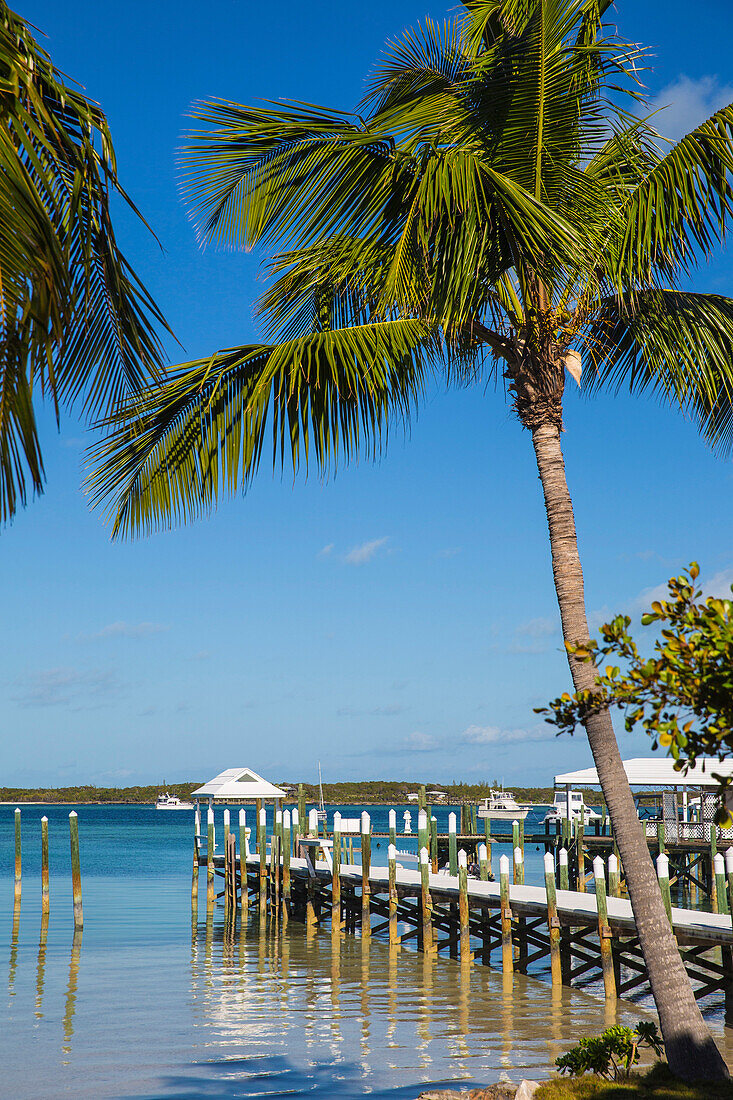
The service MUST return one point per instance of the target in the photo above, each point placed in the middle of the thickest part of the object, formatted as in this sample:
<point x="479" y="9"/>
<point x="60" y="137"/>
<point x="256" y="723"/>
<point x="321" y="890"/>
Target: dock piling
<point x="507" y="948"/>
<point x="614" y="880"/>
<point x="227" y="828"/>
<point x="518" y="866"/>
<point x="713" y="853"/>
<point x="75" y="870"/>
<point x="286" y="866"/>
<point x="427" y="903"/>
<point x="580" y="853"/>
<point x="393" y="828"/>
<point x="452" y="845"/>
<point x="729" y="873"/>
<point x="423" y="839"/>
<point x="434" y="844"/>
<point x="553" y="921"/>
<point x="563" y="864"/>
<point x="366" y="861"/>
<point x="719" y="869"/>
<point x="210" y="842"/>
<point x="487" y="834"/>
<point x="313" y="822"/>
<point x="243" y="887"/>
<point x="394" y="937"/>
<point x="483" y="862"/>
<point x="604" y="930"/>
<point x="195" y="868"/>
<point x="45" y="898"/>
<point x="336" y="876"/>
<point x="463" y="911"/>
<point x="663" y="876"/>
<point x="17" y="858"/>
<point x="262" y="852"/>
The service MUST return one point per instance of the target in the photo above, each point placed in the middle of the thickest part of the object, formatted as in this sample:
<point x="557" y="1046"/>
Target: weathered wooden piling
<point x="452" y="845"/>
<point x="243" y="888"/>
<point x="483" y="863"/>
<point x="507" y="948"/>
<point x="434" y="844"/>
<point x="562" y="858"/>
<point x="661" y="838"/>
<point x="515" y="835"/>
<point x="262" y="852"/>
<point x="75" y="869"/>
<point x="663" y="876"/>
<point x="580" y="851"/>
<point x="210" y="843"/>
<point x="313" y="822"/>
<point x="423" y="836"/>
<point x="518" y="866"/>
<point x="296" y="829"/>
<point x="487" y="834"/>
<point x="336" y="876"/>
<point x="463" y="911"/>
<point x="553" y="921"/>
<point x="427" y="902"/>
<point x="713" y="853"/>
<point x="301" y="805"/>
<point x="18" y="867"/>
<point x="604" y="930"/>
<point x="729" y="873"/>
<point x="286" y="867"/>
<point x="719" y="871"/>
<point x="45" y="896"/>
<point x="366" y="862"/>
<point x="227" y="828"/>
<point x="614" y="879"/>
<point x="393" y="827"/>
<point x="231" y="876"/>
<point x="195" y="868"/>
<point x="394" y="937"/>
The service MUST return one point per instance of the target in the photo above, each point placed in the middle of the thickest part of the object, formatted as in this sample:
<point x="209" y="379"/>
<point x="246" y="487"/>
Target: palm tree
<point x="495" y="201"/>
<point x="75" y="322"/>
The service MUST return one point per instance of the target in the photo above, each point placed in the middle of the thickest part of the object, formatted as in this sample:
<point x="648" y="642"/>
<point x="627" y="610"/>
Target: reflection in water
<point x="41" y="968"/>
<point x="70" y="1004"/>
<point x="14" y="947"/>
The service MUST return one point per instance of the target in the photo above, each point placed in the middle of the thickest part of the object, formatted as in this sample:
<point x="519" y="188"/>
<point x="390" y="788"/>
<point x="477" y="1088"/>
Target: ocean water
<point x="150" y="1003"/>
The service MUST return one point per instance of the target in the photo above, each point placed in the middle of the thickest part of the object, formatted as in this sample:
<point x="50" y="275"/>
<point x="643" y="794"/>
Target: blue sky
<point x="398" y="620"/>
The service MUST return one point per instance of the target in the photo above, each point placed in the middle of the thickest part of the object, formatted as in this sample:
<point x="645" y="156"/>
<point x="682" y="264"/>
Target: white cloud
<point x="687" y="103"/>
<point x="62" y="687"/>
<point x="126" y="630"/>
<point x="538" y="628"/>
<point x="419" y="742"/>
<point x="718" y="585"/>
<point x="325" y="550"/>
<point x="365" y="551"/>
<point x="494" y="735"/>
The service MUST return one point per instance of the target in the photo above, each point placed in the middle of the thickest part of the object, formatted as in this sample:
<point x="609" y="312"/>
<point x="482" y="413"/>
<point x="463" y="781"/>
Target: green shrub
<point x="612" y="1054"/>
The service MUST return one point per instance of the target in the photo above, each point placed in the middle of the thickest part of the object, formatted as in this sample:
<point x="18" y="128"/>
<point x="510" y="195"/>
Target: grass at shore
<point x="657" y="1084"/>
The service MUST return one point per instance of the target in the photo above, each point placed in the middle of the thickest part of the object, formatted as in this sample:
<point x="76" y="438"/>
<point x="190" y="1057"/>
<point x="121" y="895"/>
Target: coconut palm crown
<point x="499" y="199"/>
<point x="76" y="325"/>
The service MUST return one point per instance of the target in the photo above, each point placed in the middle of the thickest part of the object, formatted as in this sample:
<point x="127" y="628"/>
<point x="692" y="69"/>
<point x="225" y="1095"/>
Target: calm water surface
<point x="150" y="1004"/>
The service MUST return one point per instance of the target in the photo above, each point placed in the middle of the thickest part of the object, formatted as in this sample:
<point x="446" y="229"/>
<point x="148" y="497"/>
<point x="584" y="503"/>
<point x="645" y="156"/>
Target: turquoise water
<point x="150" y="1004"/>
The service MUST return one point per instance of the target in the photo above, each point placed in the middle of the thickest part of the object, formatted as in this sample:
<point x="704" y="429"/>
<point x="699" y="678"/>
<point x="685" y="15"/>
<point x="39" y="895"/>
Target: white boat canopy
<point x="643" y="772"/>
<point x="237" y="785"/>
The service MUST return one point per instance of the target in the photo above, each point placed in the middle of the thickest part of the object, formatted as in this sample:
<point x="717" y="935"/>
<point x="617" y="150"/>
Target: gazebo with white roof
<point x="239" y="785"/>
<point x="649" y="774"/>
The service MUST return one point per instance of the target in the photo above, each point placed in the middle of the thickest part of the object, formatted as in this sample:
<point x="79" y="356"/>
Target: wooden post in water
<point x="243" y="885"/>
<point x="604" y="930"/>
<point x="427" y="903"/>
<point x="277" y="831"/>
<point x="75" y="870"/>
<point x="515" y="835"/>
<point x="210" y="842"/>
<point x="452" y="844"/>
<point x="313" y="822"/>
<point x="729" y="873"/>
<point x="661" y="838"/>
<point x="713" y="853"/>
<point x="423" y="837"/>
<point x="719" y="868"/>
<point x="301" y="805"/>
<point x="487" y="834"/>
<point x="726" y="953"/>
<point x="507" y="948"/>
<point x="483" y="863"/>
<point x="394" y="937"/>
<point x="580" y="848"/>
<point x="663" y="876"/>
<point x="45" y="897"/>
<point x="232" y="861"/>
<point x="614" y="881"/>
<point x="227" y="828"/>
<point x="463" y="912"/>
<point x="262" y="851"/>
<point x="16" y="900"/>
<point x="553" y="921"/>
<point x="518" y="866"/>
<point x="195" y="868"/>
<point x="434" y="844"/>
<point x="563" y="864"/>
<point x="286" y="866"/>
<point x="366" y="862"/>
<point x="393" y="828"/>
<point x="296" y="829"/>
<point x="336" y="876"/>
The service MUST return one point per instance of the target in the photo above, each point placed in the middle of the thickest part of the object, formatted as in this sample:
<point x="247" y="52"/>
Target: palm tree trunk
<point x="691" y="1052"/>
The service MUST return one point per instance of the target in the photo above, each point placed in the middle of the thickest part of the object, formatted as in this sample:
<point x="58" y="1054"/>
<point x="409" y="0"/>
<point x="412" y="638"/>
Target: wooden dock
<point x="581" y="936"/>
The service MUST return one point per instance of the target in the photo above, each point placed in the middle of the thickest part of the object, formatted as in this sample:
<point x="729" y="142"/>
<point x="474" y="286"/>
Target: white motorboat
<point x="578" y="809"/>
<point x="168" y="801"/>
<point x="502" y="806"/>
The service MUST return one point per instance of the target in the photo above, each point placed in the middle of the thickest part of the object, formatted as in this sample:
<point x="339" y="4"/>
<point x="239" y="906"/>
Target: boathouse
<point x="239" y="785"/>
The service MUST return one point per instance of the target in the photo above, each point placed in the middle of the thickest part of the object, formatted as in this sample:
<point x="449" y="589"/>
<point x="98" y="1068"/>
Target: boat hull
<point x="504" y="815"/>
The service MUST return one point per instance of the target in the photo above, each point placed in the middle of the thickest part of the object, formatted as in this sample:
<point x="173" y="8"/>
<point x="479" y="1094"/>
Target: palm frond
<point x="200" y="436"/>
<point x="677" y="344"/>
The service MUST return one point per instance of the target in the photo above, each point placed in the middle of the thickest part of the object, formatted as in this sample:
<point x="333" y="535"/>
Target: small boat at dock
<point x="577" y="809"/>
<point x="502" y="806"/>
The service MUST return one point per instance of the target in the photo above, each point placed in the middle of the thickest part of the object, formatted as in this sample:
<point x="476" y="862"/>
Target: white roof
<point x="238" y="784"/>
<point x="643" y="772"/>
